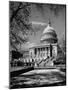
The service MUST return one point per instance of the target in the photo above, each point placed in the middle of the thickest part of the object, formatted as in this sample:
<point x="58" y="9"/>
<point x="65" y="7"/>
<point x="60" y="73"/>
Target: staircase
<point x="46" y="62"/>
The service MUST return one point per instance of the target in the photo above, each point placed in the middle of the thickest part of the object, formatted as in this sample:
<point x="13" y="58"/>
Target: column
<point x="47" y="51"/>
<point x="43" y="52"/>
<point x="37" y="53"/>
<point x="50" y="50"/>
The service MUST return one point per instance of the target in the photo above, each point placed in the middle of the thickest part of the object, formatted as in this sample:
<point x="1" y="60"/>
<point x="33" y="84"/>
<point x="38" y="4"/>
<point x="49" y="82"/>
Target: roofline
<point x="43" y="45"/>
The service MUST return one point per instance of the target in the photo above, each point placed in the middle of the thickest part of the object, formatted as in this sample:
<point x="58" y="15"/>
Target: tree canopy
<point x="19" y="13"/>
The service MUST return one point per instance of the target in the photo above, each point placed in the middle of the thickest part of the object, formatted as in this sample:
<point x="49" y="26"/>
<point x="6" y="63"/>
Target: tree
<point x="19" y="13"/>
<point x="62" y="50"/>
<point x="62" y="43"/>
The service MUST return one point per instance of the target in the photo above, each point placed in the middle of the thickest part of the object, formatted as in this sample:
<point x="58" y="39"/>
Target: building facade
<point x="46" y="51"/>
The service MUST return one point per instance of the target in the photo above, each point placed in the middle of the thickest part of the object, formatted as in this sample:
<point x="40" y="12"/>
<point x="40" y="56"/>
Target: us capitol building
<point x="45" y="53"/>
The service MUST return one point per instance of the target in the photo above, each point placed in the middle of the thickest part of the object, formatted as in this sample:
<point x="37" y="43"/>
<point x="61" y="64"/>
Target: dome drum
<point x="50" y="40"/>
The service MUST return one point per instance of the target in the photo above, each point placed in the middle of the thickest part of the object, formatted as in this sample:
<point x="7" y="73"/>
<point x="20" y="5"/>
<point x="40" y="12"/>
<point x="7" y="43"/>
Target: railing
<point x="46" y="61"/>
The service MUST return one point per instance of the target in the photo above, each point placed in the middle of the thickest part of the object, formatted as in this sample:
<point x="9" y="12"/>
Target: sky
<point x="39" y="17"/>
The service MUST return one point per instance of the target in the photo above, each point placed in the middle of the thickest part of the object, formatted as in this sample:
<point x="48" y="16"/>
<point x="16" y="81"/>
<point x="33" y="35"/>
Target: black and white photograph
<point x="37" y="44"/>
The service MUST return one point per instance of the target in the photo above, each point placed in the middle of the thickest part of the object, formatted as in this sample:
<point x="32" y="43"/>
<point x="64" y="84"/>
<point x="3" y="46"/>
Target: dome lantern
<point x="49" y="22"/>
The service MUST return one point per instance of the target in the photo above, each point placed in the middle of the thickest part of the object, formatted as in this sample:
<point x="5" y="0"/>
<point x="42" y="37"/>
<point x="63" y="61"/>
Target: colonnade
<point x="43" y="52"/>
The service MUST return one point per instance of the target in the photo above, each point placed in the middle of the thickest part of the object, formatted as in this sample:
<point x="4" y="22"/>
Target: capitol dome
<point x="49" y="35"/>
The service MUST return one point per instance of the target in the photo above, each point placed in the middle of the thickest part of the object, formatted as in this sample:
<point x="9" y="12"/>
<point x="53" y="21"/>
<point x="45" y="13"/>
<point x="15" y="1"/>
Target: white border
<point x="4" y="43"/>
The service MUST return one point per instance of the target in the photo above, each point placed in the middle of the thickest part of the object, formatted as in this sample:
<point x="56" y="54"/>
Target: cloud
<point x="27" y="45"/>
<point x="38" y="23"/>
<point x="31" y="44"/>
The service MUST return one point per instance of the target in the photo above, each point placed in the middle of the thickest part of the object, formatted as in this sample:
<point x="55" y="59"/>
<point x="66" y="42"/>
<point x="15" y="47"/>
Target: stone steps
<point x="46" y="62"/>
